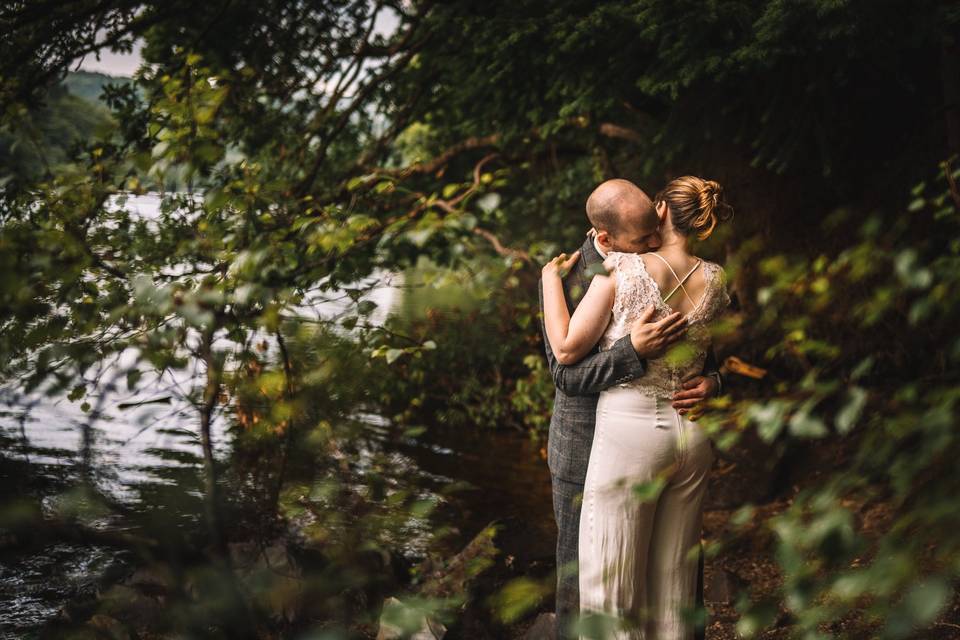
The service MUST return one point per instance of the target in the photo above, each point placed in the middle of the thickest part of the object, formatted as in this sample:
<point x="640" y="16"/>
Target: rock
<point x="243" y="554"/>
<point x="108" y="627"/>
<point x="272" y="575"/>
<point x="397" y="620"/>
<point x="722" y="585"/>
<point x="129" y="604"/>
<point x="153" y="581"/>
<point x="543" y="628"/>
<point x="449" y="580"/>
<point x="445" y="579"/>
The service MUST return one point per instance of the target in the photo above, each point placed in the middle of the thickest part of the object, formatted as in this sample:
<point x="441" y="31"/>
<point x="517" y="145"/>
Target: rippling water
<point x="501" y="476"/>
<point x="131" y="442"/>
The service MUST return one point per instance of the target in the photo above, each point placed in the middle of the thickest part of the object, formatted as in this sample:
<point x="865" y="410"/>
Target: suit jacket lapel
<point x="589" y="255"/>
<point x="579" y="278"/>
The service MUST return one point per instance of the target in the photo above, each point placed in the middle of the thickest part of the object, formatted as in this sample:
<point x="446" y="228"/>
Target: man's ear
<point x="603" y="239"/>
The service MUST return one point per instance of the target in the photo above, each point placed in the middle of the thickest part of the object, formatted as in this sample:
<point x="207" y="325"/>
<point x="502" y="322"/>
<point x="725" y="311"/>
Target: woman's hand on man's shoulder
<point x="560" y="265"/>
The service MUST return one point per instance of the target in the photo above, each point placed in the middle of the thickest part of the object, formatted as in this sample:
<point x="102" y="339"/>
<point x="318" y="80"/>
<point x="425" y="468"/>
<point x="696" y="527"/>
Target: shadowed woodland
<point x="348" y="468"/>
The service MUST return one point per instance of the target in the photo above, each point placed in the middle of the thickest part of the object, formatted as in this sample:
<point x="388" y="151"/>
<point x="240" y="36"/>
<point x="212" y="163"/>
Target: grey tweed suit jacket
<point x="578" y="386"/>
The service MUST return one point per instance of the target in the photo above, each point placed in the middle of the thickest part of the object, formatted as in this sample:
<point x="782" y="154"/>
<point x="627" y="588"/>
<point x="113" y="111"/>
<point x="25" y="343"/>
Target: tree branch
<point x="499" y="248"/>
<point x="611" y="130"/>
<point x="429" y="167"/>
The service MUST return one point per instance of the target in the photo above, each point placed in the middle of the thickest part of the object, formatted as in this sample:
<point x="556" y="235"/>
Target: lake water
<point x="129" y="440"/>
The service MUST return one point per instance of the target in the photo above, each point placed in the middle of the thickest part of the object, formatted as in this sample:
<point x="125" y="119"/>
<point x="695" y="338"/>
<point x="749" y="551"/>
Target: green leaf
<point x="354" y="183"/>
<point x="596" y="269"/>
<point x="922" y="604"/>
<point x="419" y="237"/>
<point x="423" y="508"/>
<point x="804" y="425"/>
<point x="133" y="376"/>
<point x="518" y="597"/>
<point x="366" y="307"/>
<point x="850" y="412"/>
<point x="743" y="515"/>
<point x="863" y="368"/>
<point x="769" y="418"/>
<point x="926" y="600"/>
<point x="649" y="490"/>
<point x="393" y="354"/>
<point x="489" y="202"/>
<point x="450" y="189"/>
<point x="597" y="626"/>
<point x="414" y="432"/>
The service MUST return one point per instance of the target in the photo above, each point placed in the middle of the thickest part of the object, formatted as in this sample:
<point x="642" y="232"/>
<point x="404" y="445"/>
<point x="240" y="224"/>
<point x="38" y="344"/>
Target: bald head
<point x="624" y="216"/>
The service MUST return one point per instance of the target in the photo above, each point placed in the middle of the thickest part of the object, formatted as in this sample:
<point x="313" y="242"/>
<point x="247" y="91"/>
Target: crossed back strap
<point x="680" y="280"/>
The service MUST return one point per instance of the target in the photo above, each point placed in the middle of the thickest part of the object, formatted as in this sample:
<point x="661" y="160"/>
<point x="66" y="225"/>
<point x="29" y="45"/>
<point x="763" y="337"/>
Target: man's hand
<point x="696" y="389"/>
<point x="651" y="339"/>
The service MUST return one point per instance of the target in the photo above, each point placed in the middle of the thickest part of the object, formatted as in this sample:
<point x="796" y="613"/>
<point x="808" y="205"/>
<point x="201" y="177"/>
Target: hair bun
<point x="695" y="205"/>
<point x="711" y="210"/>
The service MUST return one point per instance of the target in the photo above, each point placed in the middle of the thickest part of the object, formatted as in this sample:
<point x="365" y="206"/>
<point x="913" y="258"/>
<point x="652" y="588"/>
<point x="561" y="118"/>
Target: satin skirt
<point x="641" y="518"/>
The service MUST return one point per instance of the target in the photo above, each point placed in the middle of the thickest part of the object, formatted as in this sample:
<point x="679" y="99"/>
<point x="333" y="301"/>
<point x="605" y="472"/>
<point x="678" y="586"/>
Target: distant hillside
<point x="89" y="85"/>
<point x="43" y="138"/>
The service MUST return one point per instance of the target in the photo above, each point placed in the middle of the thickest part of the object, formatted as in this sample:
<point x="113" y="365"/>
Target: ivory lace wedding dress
<point x="634" y="555"/>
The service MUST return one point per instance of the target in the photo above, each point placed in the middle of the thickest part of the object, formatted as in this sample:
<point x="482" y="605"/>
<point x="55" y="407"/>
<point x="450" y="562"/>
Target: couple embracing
<point x="622" y="408"/>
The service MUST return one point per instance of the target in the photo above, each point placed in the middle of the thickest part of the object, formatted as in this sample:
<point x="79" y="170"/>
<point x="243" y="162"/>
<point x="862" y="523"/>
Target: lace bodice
<point x="637" y="290"/>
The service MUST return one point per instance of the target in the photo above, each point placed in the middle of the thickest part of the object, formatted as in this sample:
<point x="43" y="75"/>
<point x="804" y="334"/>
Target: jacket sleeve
<point x="712" y="368"/>
<point x="597" y="370"/>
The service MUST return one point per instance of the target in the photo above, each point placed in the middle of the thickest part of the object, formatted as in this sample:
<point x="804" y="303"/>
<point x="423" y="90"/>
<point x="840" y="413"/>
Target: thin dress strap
<point x="680" y="280"/>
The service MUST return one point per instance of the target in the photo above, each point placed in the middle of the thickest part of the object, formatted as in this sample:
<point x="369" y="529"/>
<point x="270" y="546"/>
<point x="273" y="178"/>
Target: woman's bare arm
<point x="572" y="338"/>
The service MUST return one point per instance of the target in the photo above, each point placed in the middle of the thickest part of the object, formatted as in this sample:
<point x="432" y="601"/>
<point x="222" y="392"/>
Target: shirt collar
<point x="596" y="245"/>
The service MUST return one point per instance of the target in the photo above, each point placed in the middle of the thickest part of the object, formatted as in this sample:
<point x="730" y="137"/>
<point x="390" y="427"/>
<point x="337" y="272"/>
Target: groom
<point x="625" y="220"/>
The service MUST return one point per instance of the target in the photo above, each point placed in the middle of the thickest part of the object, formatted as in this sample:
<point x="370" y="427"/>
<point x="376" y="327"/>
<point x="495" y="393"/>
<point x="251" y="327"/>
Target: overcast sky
<point x="124" y="64"/>
<point x="114" y="64"/>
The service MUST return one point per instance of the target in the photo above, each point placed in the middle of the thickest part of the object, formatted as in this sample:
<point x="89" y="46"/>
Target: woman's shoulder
<point x="720" y="294"/>
<point x="618" y="260"/>
<point x="714" y="268"/>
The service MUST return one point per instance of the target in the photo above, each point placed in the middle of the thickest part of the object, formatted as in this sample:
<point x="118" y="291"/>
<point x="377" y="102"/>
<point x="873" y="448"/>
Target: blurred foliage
<point x="275" y="211"/>
<point x="296" y="150"/>
<point x="865" y="342"/>
<point x="450" y="375"/>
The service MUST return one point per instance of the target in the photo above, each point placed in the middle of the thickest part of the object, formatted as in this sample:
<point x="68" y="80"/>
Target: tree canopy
<point x="299" y="147"/>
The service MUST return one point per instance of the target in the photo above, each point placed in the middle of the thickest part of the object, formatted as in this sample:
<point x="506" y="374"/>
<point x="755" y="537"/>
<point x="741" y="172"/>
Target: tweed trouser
<point x="566" y="509"/>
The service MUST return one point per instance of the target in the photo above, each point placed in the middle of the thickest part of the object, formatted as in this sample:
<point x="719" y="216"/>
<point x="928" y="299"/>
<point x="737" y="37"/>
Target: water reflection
<point x="139" y="450"/>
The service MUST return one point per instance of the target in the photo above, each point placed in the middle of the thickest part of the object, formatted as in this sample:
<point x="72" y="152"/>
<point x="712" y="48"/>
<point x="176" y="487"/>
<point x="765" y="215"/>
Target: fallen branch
<point x="72" y="531"/>
<point x="624" y="133"/>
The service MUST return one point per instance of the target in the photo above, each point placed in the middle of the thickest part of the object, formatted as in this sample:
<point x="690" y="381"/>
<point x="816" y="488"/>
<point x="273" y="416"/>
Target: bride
<point x="634" y="560"/>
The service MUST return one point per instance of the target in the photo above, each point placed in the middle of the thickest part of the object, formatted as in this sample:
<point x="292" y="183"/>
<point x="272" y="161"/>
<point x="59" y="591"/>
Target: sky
<point x="114" y="64"/>
<point x="124" y="64"/>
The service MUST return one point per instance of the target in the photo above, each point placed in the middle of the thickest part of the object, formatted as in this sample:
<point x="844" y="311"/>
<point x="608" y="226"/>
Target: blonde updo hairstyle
<point x="696" y="205"/>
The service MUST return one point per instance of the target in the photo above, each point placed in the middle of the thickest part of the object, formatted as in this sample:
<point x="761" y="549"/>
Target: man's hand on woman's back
<point x="651" y="339"/>
<point x="696" y="389"/>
